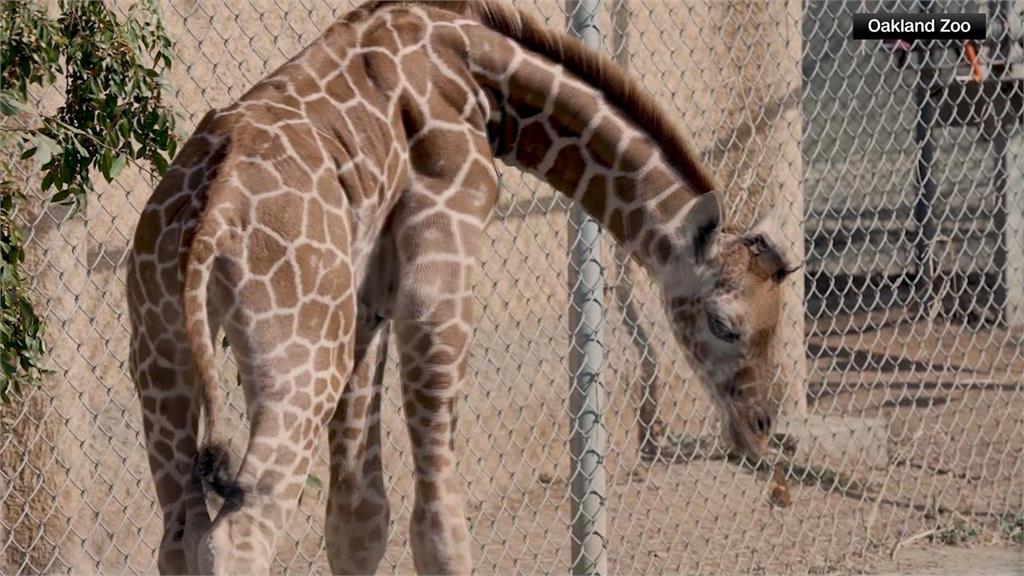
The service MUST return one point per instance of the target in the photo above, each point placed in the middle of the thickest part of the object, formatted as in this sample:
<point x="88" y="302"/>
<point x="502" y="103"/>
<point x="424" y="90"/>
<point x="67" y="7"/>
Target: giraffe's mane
<point x="619" y="88"/>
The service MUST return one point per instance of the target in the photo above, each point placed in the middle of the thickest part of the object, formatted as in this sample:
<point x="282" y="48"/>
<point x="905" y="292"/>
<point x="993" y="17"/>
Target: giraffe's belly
<point x="376" y="272"/>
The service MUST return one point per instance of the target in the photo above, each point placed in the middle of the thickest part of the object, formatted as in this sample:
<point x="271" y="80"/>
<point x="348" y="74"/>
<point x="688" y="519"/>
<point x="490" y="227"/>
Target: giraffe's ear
<point x="770" y="259"/>
<point x="701" y="224"/>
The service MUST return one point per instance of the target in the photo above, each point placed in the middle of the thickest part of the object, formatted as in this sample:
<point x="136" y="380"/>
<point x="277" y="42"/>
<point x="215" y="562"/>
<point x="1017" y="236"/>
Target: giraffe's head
<point x="723" y="296"/>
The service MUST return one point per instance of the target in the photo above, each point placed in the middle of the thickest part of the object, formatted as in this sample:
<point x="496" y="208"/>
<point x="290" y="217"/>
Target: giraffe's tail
<point x="211" y="466"/>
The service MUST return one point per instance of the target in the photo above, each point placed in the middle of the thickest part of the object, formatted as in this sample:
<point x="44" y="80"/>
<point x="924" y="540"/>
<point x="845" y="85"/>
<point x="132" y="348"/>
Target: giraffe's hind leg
<point x="166" y="383"/>
<point x="358" y="513"/>
<point x="293" y="357"/>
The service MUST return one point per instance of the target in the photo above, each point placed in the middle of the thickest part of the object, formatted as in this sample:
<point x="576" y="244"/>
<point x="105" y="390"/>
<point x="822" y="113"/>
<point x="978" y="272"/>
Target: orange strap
<point x="972" y="59"/>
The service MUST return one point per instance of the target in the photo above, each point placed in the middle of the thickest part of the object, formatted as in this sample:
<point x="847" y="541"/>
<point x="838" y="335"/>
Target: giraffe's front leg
<point x="438" y="227"/>
<point x="358" y="515"/>
<point x="433" y="324"/>
<point x="433" y="355"/>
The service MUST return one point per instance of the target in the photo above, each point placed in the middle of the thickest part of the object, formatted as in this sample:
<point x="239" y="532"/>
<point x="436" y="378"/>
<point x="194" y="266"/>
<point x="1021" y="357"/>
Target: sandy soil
<point x="988" y="560"/>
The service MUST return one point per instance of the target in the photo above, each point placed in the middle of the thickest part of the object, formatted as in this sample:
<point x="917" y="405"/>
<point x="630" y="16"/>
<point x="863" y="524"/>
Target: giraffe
<point x="344" y="196"/>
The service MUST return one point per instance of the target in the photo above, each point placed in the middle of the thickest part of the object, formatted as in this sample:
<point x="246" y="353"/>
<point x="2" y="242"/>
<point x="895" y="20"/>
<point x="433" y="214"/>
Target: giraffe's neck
<point x="547" y="121"/>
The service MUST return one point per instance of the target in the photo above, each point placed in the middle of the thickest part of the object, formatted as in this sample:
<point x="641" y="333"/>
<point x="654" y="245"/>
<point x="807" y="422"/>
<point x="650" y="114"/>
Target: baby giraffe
<point x="348" y="190"/>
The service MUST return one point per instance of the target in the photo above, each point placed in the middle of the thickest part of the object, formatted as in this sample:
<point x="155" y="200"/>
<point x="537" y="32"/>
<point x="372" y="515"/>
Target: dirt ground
<point x="987" y="560"/>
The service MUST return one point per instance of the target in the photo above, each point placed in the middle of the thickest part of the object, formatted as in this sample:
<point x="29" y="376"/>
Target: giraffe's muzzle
<point x="750" y="428"/>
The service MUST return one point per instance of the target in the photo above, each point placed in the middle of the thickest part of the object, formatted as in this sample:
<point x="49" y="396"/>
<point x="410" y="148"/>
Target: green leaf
<point x="46" y="147"/>
<point x="160" y="163"/>
<point x="117" y="166"/>
<point x="104" y="162"/>
<point x="61" y="196"/>
<point x="10" y="104"/>
<point x="49" y="179"/>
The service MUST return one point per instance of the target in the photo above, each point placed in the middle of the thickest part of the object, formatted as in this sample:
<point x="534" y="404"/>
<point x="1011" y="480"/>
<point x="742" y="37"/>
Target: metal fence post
<point x="649" y="425"/>
<point x="586" y="398"/>
<point x="1009" y="181"/>
<point x="924" y="217"/>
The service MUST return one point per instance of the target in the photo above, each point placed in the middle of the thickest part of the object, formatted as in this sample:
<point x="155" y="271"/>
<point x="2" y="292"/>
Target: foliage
<point x="21" y="342"/>
<point x="957" y="533"/>
<point x="314" y="481"/>
<point x="112" y="115"/>
<point x="1012" y="527"/>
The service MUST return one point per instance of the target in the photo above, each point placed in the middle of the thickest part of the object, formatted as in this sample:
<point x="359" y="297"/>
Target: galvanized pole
<point x="924" y="216"/>
<point x="1009" y="179"/>
<point x="586" y="398"/>
<point x="650" y="427"/>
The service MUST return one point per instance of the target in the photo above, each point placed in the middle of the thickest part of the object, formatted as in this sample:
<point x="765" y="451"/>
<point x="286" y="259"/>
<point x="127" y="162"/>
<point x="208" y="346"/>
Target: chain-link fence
<point x="900" y="177"/>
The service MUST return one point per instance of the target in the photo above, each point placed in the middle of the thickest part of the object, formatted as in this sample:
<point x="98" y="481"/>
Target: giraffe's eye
<point x="721" y="330"/>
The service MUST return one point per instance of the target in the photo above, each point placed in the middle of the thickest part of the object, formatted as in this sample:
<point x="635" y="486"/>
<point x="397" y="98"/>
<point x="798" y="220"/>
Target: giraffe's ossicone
<point x="345" y="193"/>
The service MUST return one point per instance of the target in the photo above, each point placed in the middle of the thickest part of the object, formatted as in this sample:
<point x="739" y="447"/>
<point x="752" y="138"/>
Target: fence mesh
<point x="907" y="334"/>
